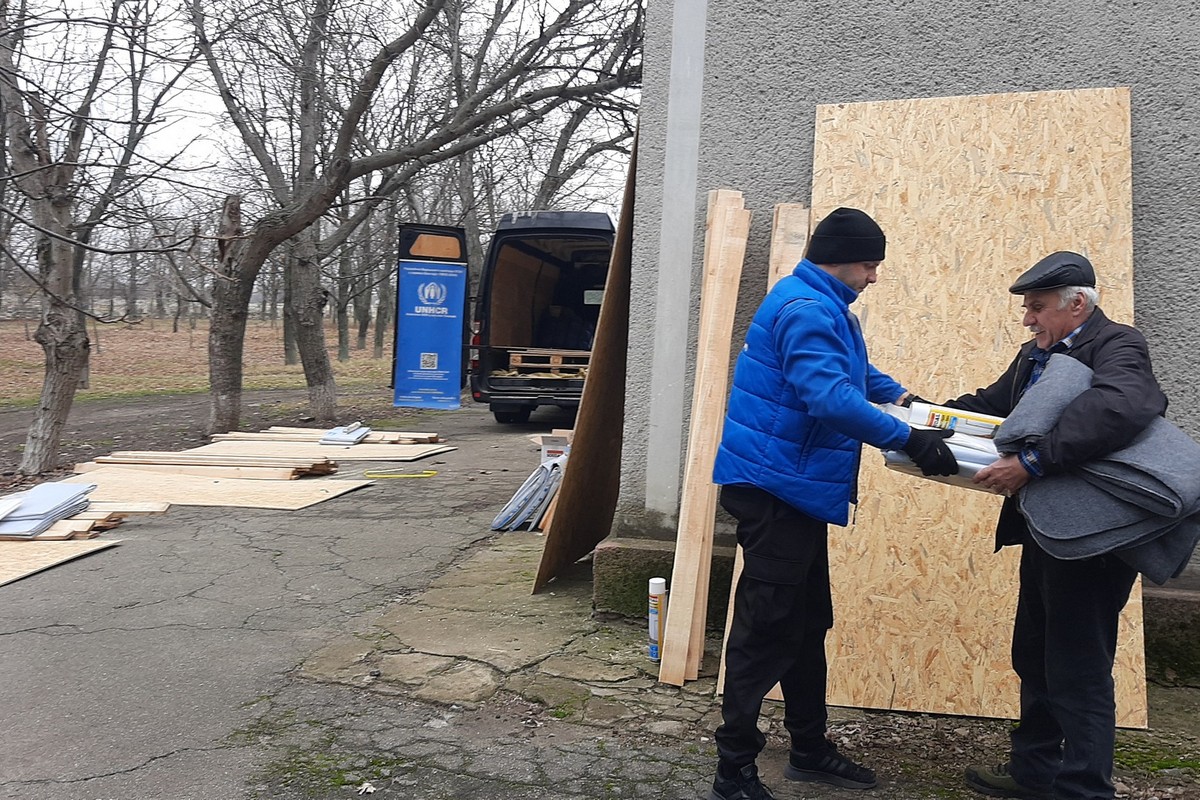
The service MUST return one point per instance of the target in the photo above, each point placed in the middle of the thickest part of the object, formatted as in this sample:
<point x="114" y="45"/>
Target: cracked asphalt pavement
<point x="385" y="643"/>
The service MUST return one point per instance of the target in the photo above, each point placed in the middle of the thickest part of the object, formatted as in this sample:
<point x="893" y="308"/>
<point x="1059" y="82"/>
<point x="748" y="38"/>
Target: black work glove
<point x="913" y="398"/>
<point x="928" y="451"/>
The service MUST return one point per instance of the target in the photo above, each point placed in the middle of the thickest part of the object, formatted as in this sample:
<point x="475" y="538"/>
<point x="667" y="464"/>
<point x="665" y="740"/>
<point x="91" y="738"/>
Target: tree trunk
<point x="131" y="288"/>
<point x="343" y="331"/>
<point x="291" y="351"/>
<point x="63" y="337"/>
<point x="362" y="318"/>
<point x="226" y="341"/>
<point x="227" y="328"/>
<point x="307" y="311"/>
<point x="345" y="290"/>
<point x="383" y="314"/>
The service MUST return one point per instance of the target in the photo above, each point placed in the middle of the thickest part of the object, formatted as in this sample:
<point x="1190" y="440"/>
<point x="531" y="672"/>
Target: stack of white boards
<point x="345" y="434"/>
<point x="26" y="514"/>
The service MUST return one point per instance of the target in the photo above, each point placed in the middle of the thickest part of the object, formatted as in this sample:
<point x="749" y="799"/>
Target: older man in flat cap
<point x="1065" y="635"/>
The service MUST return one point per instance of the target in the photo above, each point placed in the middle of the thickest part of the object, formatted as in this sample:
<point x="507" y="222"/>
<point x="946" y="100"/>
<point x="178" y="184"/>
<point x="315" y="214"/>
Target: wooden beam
<point x="725" y="248"/>
<point x="250" y="473"/>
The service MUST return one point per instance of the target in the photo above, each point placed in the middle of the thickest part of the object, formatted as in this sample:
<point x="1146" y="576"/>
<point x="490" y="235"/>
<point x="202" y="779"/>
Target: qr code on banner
<point x="429" y="360"/>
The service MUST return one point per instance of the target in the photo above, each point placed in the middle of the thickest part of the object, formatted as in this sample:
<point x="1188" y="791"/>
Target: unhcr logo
<point x="433" y="295"/>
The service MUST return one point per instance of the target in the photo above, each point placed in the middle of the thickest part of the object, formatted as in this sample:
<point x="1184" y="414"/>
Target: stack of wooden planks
<point x="278" y="433"/>
<point x="724" y="250"/>
<point x="98" y="518"/>
<point x="214" y="465"/>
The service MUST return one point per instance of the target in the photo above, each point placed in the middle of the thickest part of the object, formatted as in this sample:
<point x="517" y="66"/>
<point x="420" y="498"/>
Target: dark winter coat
<point x="1123" y="400"/>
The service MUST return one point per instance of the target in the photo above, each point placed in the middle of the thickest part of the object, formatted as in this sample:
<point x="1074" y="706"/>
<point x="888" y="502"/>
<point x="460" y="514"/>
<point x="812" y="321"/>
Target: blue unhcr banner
<point x="429" y="334"/>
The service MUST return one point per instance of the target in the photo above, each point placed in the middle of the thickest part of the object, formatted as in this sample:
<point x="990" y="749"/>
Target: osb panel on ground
<point x="20" y="559"/>
<point x="115" y="483"/>
<point x="971" y="191"/>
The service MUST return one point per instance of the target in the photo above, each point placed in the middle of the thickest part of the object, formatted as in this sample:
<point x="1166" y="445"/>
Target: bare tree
<point x="526" y="59"/>
<point x="80" y="97"/>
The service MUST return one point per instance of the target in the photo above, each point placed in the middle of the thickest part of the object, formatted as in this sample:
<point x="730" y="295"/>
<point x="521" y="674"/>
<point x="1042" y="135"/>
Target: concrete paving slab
<point x="387" y="638"/>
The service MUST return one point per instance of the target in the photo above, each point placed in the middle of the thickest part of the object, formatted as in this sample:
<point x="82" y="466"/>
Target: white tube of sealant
<point x="658" y="615"/>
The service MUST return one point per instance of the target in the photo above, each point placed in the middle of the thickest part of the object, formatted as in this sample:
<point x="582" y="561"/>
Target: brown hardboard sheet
<point x="587" y="498"/>
<point x="117" y="483"/>
<point x="20" y="559"/>
<point x="971" y="191"/>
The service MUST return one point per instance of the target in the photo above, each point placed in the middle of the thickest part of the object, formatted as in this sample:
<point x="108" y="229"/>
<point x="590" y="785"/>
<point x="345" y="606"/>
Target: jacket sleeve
<point x="995" y="399"/>
<point x="1123" y="400"/>
<point x="881" y="387"/>
<point x="817" y="364"/>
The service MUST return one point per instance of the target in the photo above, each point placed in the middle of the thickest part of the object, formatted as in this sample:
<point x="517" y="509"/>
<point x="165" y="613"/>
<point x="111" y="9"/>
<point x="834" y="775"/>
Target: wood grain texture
<point x="970" y="191"/>
<point x="725" y="248"/>
<point x="21" y="559"/>
<point x="119" y="484"/>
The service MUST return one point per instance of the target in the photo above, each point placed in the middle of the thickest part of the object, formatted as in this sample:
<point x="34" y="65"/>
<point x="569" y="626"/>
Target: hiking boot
<point x="744" y="785"/>
<point x="827" y="765"/>
<point x="999" y="782"/>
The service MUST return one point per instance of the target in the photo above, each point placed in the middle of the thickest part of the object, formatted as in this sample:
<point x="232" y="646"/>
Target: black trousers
<point x="781" y="611"/>
<point x="1064" y="643"/>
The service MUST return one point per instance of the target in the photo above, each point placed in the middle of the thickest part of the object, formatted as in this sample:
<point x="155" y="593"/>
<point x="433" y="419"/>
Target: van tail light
<point x="474" y="354"/>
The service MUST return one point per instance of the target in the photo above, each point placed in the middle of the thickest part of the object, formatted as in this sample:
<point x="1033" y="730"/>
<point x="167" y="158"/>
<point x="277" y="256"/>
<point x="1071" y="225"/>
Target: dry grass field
<point x="147" y="359"/>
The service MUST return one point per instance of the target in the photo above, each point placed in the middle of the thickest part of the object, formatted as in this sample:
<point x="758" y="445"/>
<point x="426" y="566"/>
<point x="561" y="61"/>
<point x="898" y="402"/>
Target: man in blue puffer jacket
<point x="800" y="409"/>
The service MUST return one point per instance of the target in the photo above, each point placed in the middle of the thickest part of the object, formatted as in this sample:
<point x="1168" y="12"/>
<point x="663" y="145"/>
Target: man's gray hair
<point x="1090" y="296"/>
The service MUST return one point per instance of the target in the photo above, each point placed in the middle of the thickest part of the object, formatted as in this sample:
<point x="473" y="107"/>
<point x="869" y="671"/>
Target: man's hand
<point x="928" y="451"/>
<point x="1005" y="476"/>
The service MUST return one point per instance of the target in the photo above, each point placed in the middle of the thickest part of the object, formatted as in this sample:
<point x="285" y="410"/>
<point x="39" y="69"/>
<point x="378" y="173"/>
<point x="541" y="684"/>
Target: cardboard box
<point x="554" y="446"/>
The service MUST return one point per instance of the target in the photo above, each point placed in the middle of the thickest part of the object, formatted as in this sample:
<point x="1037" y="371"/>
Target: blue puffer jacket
<point x="801" y="400"/>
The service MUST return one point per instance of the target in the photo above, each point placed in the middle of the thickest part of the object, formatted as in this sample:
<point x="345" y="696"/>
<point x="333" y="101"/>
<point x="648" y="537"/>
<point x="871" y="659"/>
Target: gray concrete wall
<point x="765" y="68"/>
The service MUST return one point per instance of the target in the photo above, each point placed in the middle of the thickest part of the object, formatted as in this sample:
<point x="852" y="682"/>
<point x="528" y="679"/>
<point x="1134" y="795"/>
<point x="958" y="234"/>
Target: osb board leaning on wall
<point x="971" y="191"/>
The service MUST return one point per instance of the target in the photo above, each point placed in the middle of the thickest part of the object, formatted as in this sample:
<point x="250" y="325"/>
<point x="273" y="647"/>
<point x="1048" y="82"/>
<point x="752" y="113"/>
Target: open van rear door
<point x="432" y="327"/>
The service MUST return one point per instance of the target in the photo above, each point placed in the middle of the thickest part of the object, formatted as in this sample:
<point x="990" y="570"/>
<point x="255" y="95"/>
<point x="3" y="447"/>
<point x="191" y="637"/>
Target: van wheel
<point x="509" y="417"/>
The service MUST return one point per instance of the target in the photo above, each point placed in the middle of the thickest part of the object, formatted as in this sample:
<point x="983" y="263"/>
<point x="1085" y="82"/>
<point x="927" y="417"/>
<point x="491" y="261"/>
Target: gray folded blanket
<point x="1141" y="503"/>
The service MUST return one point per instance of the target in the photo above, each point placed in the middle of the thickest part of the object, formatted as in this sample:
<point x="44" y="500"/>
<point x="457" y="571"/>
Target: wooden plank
<point x="548" y="518"/>
<point x="971" y="191"/>
<point x="546" y="351"/>
<point x="592" y="478"/>
<point x="216" y="460"/>
<point x="789" y="239"/>
<point x="116" y="484"/>
<point x="21" y="559"/>
<point x="358" y="452"/>
<point x="128" y="507"/>
<point x="249" y="473"/>
<point x="97" y="516"/>
<point x="725" y="249"/>
<point x="314" y="435"/>
<point x="65" y="529"/>
<point x="417" y="437"/>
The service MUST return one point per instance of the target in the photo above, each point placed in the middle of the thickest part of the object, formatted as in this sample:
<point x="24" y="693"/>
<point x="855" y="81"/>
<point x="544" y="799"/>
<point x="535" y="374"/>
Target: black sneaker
<point x="827" y="765"/>
<point x="745" y="785"/>
<point x="999" y="782"/>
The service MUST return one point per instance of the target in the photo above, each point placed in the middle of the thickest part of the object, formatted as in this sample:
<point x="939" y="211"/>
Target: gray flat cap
<point x="1056" y="270"/>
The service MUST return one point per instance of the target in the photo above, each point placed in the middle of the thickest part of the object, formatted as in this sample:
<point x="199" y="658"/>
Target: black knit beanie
<point x="846" y="236"/>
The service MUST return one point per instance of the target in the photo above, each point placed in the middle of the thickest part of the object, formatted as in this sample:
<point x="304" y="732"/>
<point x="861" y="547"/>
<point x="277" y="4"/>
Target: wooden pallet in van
<point x="546" y="360"/>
